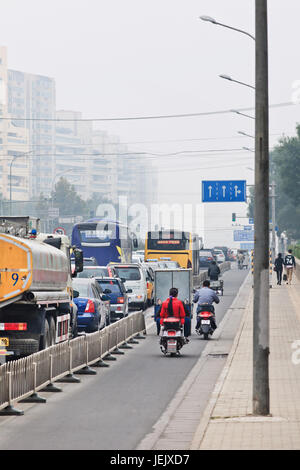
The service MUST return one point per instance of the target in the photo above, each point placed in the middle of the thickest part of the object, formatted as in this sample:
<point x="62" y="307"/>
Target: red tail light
<point x="13" y="326"/>
<point x="90" y="307"/>
<point x="171" y="333"/>
<point x="206" y="314"/>
<point x="120" y="300"/>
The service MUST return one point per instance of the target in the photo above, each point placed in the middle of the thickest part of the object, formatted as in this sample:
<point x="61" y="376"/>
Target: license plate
<point x="205" y="322"/>
<point x="171" y="342"/>
<point x="4" y="342"/>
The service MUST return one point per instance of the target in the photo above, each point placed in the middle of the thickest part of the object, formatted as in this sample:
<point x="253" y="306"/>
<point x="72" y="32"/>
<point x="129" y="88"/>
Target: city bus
<point x="174" y="245"/>
<point x="106" y="240"/>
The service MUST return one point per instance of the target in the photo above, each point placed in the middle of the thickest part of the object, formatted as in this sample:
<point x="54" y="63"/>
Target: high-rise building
<point x="31" y="100"/>
<point x="14" y="147"/>
<point x="61" y="144"/>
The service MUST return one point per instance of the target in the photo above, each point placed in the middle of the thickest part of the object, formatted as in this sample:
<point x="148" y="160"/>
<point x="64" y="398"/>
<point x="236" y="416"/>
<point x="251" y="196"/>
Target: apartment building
<point x="14" y="147"/>
<point x="61" y="143"/>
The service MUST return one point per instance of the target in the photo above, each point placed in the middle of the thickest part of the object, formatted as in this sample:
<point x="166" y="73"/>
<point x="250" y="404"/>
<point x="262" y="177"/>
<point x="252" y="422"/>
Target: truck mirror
<point x="75" y="294"/>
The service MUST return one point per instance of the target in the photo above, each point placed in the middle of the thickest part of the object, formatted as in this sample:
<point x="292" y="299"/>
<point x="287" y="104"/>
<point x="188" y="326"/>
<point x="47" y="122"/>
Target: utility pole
<point x="261" y="394"/>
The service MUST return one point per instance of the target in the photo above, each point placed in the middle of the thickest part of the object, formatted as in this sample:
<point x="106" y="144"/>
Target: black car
<point x="116" y="291"/>
<point x="206" y="257"/>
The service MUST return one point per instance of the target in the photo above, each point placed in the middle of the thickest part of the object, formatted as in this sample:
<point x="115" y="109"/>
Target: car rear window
<point x="128" y="273"/>
<point x="113" y="286"/>
<point x="82" y="288"/>
<point x="205" y="253"/>
<point x="93" y="272"/>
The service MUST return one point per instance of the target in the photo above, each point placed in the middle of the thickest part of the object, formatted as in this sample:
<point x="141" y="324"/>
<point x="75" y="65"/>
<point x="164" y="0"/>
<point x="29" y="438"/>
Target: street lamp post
<point x="213" y="21"/>
<point x="227" y="77"/>
<point x="261" y="393"/>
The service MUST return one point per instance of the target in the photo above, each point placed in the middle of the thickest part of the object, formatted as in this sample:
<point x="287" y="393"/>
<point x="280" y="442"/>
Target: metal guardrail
<point x="20" y="380"/>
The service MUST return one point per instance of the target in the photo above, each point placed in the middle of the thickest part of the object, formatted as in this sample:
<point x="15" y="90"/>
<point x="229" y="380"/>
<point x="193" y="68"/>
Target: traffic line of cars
<point x="105" y="294"/>
<point x="218" y="254"/>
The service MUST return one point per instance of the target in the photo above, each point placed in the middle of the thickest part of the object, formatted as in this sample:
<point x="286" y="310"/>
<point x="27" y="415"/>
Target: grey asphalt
<point x="118" y="407"/>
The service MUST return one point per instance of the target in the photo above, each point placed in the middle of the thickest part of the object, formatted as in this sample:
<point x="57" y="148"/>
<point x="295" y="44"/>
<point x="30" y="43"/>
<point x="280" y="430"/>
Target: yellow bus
<point x="175" y="245"/>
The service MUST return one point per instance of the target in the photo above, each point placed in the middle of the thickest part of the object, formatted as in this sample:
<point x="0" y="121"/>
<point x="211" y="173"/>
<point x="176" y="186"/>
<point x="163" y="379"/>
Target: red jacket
<point x="178" y="310"/>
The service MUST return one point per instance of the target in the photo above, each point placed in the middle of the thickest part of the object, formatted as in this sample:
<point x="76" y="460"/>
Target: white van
<point x="134" y="278"/>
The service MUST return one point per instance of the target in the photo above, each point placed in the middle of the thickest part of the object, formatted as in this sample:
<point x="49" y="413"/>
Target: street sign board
<point x="251" y="221"/>
<point x="247" y="246"/>
<point x="248" y="227"/>
<point x="224" y="191"/>
<point x="243" y="235"/>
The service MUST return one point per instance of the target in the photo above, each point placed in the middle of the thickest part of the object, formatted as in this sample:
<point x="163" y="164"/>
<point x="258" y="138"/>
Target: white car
<point x="220" y="257"/>
<point x="134" y="278"/>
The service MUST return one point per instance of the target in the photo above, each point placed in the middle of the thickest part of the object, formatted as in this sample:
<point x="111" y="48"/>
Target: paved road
<point x="120" y="405"/>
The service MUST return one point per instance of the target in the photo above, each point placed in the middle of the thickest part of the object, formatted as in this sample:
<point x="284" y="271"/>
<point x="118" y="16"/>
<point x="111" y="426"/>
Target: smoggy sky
<point x="119" y="58"/>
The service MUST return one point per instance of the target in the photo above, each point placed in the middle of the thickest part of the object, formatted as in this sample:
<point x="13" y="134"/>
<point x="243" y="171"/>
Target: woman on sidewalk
<point x="278" y="267"/>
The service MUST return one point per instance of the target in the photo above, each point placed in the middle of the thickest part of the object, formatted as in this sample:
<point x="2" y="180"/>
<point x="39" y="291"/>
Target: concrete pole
<point x="261" y="396"/>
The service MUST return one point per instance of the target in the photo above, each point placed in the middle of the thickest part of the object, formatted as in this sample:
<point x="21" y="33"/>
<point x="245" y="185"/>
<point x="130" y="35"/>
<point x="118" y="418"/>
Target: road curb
<point x="200" y="432"/>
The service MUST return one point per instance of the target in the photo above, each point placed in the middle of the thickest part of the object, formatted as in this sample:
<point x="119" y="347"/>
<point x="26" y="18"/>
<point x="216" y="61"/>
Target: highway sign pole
<point x="261" y="394"/>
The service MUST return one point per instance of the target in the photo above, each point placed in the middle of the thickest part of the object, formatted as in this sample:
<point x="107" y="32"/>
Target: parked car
<point x="97" y="271"/>
<point x="205" y="257"/>
<point x="220" y="257"/>
<point x="93" y="305"/>
<point x="115" y="289"/>
<point x="134" y="279"/>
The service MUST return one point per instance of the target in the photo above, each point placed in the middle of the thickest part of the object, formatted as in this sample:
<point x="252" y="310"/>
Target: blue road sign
<point x="251" y="221"/>
<point x="243" y="235"/>
<point x="248" y="227"/>
<point x="247" y="246"/>
<point x="224" y="191"/>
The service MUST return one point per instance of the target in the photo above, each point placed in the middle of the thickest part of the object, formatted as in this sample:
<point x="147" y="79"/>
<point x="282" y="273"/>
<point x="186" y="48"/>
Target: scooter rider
<point x="204" y="297"/>
<point x="172" y="307"/>
<point x="213" y="271"/>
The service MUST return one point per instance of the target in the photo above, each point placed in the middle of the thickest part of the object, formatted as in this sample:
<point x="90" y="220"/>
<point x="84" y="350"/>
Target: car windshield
<point x="93" y="272"/>
<point x="82" y="288"/>
<point x="113" y="286"/>
<point x="128" y="273"/>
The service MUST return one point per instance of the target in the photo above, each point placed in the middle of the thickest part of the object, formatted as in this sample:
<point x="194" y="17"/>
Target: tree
<point x="285" y="168"/>
<point x="67" y="200"/>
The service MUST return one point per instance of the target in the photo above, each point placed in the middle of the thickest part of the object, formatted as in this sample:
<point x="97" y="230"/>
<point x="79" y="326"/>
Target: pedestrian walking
<point x="278" y="267"/>
<point x="290" y="265"/>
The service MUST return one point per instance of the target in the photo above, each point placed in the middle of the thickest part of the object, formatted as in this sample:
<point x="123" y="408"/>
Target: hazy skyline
<point x="139" y="57"/>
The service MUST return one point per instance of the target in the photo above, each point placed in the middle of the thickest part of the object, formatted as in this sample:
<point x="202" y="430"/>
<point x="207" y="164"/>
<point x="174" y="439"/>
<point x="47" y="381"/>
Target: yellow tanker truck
<point x="36" y="307"/>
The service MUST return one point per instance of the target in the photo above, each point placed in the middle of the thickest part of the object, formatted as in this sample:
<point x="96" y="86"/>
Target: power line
<point x="139" y="118"/>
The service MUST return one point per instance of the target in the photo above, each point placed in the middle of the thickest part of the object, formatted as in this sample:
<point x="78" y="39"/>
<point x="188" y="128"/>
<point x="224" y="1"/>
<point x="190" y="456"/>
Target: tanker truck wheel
<point x="45" y="340"/>
<point x="52" y="329"/>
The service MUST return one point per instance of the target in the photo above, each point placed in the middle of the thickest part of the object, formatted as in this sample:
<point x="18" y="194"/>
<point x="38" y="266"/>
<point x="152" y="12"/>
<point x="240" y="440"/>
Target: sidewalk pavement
<point x="228" y="422"/>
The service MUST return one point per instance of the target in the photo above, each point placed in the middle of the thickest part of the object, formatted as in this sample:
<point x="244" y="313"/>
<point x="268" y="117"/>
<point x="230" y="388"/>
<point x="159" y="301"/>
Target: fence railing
<point x="20" y="380"/>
